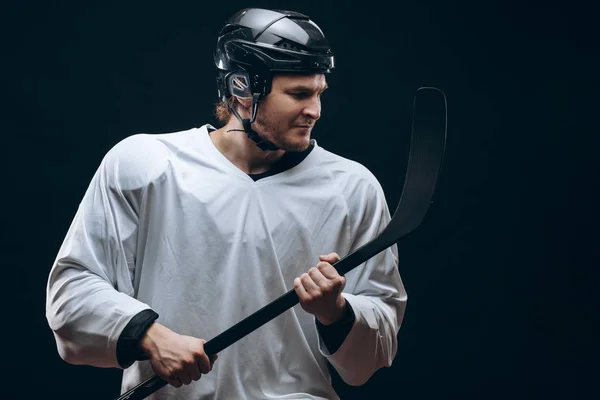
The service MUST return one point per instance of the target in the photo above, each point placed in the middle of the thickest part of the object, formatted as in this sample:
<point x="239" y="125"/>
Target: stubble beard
<point x="278" y="135"/>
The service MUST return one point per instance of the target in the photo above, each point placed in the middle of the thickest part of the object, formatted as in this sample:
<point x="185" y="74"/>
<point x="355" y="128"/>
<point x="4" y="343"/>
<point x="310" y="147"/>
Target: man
<point x="182" y="235"/>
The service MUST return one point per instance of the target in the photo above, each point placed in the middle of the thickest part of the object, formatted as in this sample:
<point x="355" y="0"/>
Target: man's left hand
<point x="320" y="290"/>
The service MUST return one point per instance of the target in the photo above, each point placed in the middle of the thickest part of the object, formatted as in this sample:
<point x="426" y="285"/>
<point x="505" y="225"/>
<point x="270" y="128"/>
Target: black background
<point x="502" y="272"/>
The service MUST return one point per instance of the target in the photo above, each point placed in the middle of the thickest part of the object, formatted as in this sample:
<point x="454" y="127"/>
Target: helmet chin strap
<point x="263" y="144"/>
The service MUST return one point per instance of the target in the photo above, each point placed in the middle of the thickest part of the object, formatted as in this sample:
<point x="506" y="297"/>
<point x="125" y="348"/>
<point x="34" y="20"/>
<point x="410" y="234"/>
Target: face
<point x="288" y="113"/>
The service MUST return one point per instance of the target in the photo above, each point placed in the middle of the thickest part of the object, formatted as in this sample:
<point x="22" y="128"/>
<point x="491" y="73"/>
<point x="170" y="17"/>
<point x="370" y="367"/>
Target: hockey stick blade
<point x="427" y="146"/>
<point x="425" y="157"/>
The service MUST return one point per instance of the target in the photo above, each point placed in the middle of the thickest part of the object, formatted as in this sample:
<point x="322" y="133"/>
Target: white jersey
<point x="169" y="223"/>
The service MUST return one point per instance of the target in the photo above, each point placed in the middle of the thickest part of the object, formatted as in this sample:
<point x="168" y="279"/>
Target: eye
<point x="300" y="95"/>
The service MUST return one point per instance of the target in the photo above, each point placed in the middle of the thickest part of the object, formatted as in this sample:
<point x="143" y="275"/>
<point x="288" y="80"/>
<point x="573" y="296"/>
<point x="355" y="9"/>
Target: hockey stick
<point x="427" y="146"/>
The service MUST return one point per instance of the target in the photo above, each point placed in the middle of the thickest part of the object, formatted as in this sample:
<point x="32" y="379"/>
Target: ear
<point x="243" y="106"/>
<point x="246" y="102"/>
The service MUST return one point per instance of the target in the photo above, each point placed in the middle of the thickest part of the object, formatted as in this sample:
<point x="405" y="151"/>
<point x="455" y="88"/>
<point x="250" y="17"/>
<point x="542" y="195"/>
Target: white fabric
<point x="169" y="223"/>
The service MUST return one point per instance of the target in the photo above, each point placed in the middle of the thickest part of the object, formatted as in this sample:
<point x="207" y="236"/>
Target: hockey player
<point x="181" y="235"/>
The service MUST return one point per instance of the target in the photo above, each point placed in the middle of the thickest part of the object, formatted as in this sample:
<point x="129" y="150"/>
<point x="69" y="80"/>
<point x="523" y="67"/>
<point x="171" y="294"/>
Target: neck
<point x="242" y="151"/>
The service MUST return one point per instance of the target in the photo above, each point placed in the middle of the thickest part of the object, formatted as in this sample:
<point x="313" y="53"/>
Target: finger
<point x="328" y="270"/>
<point x="174" y="382"/>
<point x="202" y="361"/>
<point x="195" y="372"/>
<point x="213" y="359"/>
<point x="330" y="258"/>
<point x="301" y="290"/>
<point x="184" y="377"/>
<point x="334" y="278"/>
<point x="318" y="278"/>
<point x="203" y="364"/>
<point x="311" y="287"/>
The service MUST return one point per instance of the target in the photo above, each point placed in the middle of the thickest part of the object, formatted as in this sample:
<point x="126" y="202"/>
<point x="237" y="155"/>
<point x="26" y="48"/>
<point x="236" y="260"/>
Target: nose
<point x="313" y="108"/>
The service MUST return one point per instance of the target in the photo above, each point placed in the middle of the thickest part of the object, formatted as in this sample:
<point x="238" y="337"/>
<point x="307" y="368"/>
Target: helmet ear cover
<point x="238" y="84"/>
<point x="244" y="84"/>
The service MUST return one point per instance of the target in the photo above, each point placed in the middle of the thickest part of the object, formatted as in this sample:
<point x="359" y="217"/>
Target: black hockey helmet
<point x="257" y="43"/>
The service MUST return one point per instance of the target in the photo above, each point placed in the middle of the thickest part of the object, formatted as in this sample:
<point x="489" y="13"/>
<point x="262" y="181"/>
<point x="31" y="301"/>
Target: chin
<point x="293" y="140"/>
<point x="295" y="148"/>
<point x="299" y="145"/>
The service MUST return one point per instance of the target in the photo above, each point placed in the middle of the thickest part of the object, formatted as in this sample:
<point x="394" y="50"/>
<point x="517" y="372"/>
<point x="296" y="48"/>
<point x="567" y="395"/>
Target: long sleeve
<point x="375" y="292"/>
<point x="90" y="290"/>
<point x="334" y="335"/>
<point x="128" y="345"/>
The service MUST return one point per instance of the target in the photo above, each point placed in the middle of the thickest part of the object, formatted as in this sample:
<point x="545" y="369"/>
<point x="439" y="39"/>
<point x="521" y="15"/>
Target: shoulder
<point x="135" y="161"/>
<point x="351" y="176"/>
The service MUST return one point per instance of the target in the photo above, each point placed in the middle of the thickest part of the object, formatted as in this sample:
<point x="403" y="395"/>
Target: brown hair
<point x="222" y="110"/>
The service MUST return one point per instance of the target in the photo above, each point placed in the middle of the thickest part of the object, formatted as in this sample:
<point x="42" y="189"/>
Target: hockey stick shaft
<point x="260" y="317"/>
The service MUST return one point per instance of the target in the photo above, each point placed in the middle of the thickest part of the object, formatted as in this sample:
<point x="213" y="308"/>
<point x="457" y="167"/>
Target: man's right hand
<point x="177" y="359"/>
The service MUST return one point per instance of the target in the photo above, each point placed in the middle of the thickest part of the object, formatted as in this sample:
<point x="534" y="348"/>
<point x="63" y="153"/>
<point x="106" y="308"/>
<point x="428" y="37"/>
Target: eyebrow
<point x="306" y="88"/>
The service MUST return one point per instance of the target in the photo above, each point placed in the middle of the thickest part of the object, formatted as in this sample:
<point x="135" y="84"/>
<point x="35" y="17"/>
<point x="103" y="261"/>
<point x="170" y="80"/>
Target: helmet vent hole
<point x="287" y="45"/>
